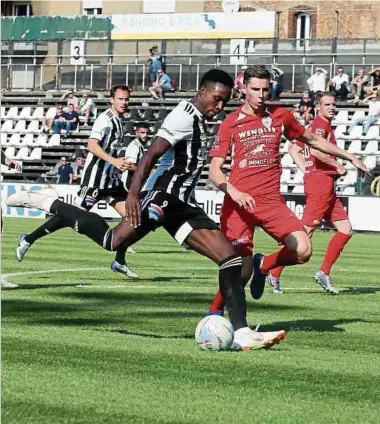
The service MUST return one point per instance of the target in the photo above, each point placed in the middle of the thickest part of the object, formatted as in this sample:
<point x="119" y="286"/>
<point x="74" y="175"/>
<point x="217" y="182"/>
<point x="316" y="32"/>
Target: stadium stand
<point x="22" y="114"/>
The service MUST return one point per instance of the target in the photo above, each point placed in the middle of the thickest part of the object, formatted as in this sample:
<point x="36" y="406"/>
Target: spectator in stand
<point x="86" y="107"/>
<point x="71" y="99"/>
<point x="63" y="171"/>
<point x="276" y="81"/>
<point x="161" y="86"/>
<point x="340" y="84"/>
<point x="58" y="115"/>
<point x="154" y="52"/>
<point x="358" y="85"/>
<point x="239" y="83"/>
<point x="78" y="167"/>
<point x="368" y="179"/>
<point x="372" y="117"/>
<point x="375" y="75"/>
<point x="317" y="82"/>
<point x="68" y="120"/>
<point x="304" y="110"/>
<point x="155" y="65"/>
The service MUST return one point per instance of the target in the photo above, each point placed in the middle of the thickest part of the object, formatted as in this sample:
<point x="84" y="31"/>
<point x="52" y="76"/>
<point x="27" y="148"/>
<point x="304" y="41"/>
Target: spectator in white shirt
<point x="86" y="107"/>
<point x="371" y="118"/>
<point x="340" y="84"/>
<point x="317" y="82"/>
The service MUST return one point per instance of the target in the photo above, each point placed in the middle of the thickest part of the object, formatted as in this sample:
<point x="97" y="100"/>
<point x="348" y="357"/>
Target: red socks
<point x="276" y="272"/>
<point x="283" y="257"/>
<point x="334" y="249"/>
<point x="217" y="304"/>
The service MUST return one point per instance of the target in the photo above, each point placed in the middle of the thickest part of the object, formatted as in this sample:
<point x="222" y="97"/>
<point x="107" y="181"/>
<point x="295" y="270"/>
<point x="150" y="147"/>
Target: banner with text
<point x="193" y="26"/>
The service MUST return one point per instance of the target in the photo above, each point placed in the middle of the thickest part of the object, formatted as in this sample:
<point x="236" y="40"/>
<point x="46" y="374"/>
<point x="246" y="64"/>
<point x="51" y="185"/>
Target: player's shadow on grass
<point x="44" y="286"/>
<point x="315" y="325"/>
<point x="152" y="335"/>
<point x="360" y="290"/>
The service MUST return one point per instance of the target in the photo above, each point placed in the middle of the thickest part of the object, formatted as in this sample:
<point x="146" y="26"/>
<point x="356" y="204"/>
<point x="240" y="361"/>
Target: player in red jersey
<point x="321" y="172"/>
<point x="253" y="196"/>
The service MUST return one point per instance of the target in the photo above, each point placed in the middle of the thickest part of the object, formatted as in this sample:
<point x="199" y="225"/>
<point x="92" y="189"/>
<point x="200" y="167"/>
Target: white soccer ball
<point x="214" y="333"/>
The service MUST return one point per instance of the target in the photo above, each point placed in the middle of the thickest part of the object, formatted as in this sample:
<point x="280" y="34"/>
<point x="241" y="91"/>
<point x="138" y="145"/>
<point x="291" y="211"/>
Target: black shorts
<point x="160" y="209"/>
<point x="87" y="197"/>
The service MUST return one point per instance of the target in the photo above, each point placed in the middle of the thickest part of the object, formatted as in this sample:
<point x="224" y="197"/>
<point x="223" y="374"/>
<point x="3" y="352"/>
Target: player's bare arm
<point x="148" y="161"/>
<point x="296" y="153"/>
<point x="319" y="143"/>
<point x="217" y="177"/>
<point x="94" y="148"/>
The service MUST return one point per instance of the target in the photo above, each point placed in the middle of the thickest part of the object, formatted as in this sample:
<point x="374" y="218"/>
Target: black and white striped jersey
<point x="133" y="152"/>
<point x="181" y="166"/>
<point x="98" y="173"/>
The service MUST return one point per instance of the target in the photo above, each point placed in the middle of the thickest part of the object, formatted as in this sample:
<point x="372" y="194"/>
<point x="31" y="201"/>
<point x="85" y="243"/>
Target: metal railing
<point x="100" y="72"/>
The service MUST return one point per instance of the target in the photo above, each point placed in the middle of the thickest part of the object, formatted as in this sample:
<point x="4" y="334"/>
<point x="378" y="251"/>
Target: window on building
<point x="154" y="6"/>
<point x="92" y="11"/>
<point x="303" y="30"/>
<point x="19" y="9"/>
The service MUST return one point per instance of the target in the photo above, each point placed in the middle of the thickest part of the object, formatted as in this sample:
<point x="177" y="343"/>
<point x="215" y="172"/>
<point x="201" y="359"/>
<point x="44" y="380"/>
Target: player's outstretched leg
<point x="83" y="222"/>
<point x="214" y="245"/>
<point x="119" y="265"/>
<point x="274" y="279"/>
<point x="25" y="241"/>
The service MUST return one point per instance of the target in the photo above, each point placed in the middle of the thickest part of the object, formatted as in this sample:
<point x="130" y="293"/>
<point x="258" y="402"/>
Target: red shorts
<point x="270" y="213"/>
<point x="321" y="201"/>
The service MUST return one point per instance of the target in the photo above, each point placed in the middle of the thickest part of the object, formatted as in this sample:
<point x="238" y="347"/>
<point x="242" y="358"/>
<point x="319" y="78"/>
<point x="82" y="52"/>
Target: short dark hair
<point x="142" y="125"/>
<point x="256" y="71"/>
<point x="119" y="87"/>
<point x="216" y="76"/>
<point x="320" y="95"/>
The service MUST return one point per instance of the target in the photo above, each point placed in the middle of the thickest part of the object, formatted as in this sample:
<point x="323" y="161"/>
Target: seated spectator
<point x="63" y="171"/>
<point x="46" y="127"/>
<point x="68" y="121"/>
<point x="276" y="81"/>
<point x="372" y="117"/>
<point x="239" y="83"/>
<point x="358" y="85"/>
<point x="317" y="82"/>
<point x="161" y="86"/>
<point x="78" y="167"/>
<point x="375" y="75"/>
<point x="71" y="99"/>
<point x="369" y="178"/>
<point x="340" y="84"/>
<point x="86" y="107"/>
<point x="304" y="110"/>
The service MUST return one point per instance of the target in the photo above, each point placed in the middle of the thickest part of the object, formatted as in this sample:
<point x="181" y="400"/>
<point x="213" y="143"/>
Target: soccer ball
<point x="214" y="333"/>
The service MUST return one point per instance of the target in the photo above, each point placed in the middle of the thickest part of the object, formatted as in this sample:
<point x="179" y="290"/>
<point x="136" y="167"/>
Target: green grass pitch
<point x="88" y="346"/>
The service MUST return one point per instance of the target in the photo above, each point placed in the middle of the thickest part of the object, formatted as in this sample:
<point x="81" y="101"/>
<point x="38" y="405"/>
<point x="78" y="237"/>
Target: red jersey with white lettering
<point x="254" y="142"/>
<point x="323" y="129"/>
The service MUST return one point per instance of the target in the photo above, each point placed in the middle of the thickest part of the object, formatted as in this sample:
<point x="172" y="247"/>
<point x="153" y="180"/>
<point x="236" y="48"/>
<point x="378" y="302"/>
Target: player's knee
<point x="304" y="250"/>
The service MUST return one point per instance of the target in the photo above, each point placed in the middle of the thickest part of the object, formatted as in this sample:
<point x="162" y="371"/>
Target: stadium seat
<point x="341" y="143"/>
<point x="341" y="117"/>
<point x="298" y="177"/>
<point x="148" y="115"/>
<point x="15" y="139"/>
<point x="23" y="153"/>
<point x="128" y="127"/>
<point x="220" y="116"/>
<point x="41" y="140"/>
<point x="38" y="112"/>
<point x="298" y="189"/>
<point x="7" y="127"/>
<point x="358" y="114"/>
<point x="12" y="112"/>
<point x="27" y="140"/>
<point x="51" y="113"/>
<point x="372" y="147"/>
<point x="4" y="139"/>
<point x="350" y="178"/>
<point x="339" y="130"/>
<point x="370" y="162"/>
<point x="20" y="126"/>
<point x="356" y="132"/>
<point x="355" y="146"/>
<point x="55" y="140"/>
<point x="134" y="115"/>
<point x="10" y="152"/>
<point x="284" y="147"/>
<point x="283" y="188"/>
<point x="2" y="112"/>
<point x="285" y="176"/>
<point x="95" y="112"/>
<point x="287" y="161"/>
<point x="36" y="154"/>
<point x="33" y="127"/>
<point x="349" y="190"/>
<point x="373" y="132"/>
<point x="26" y="112"/>
<point x="161" y="114"/>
